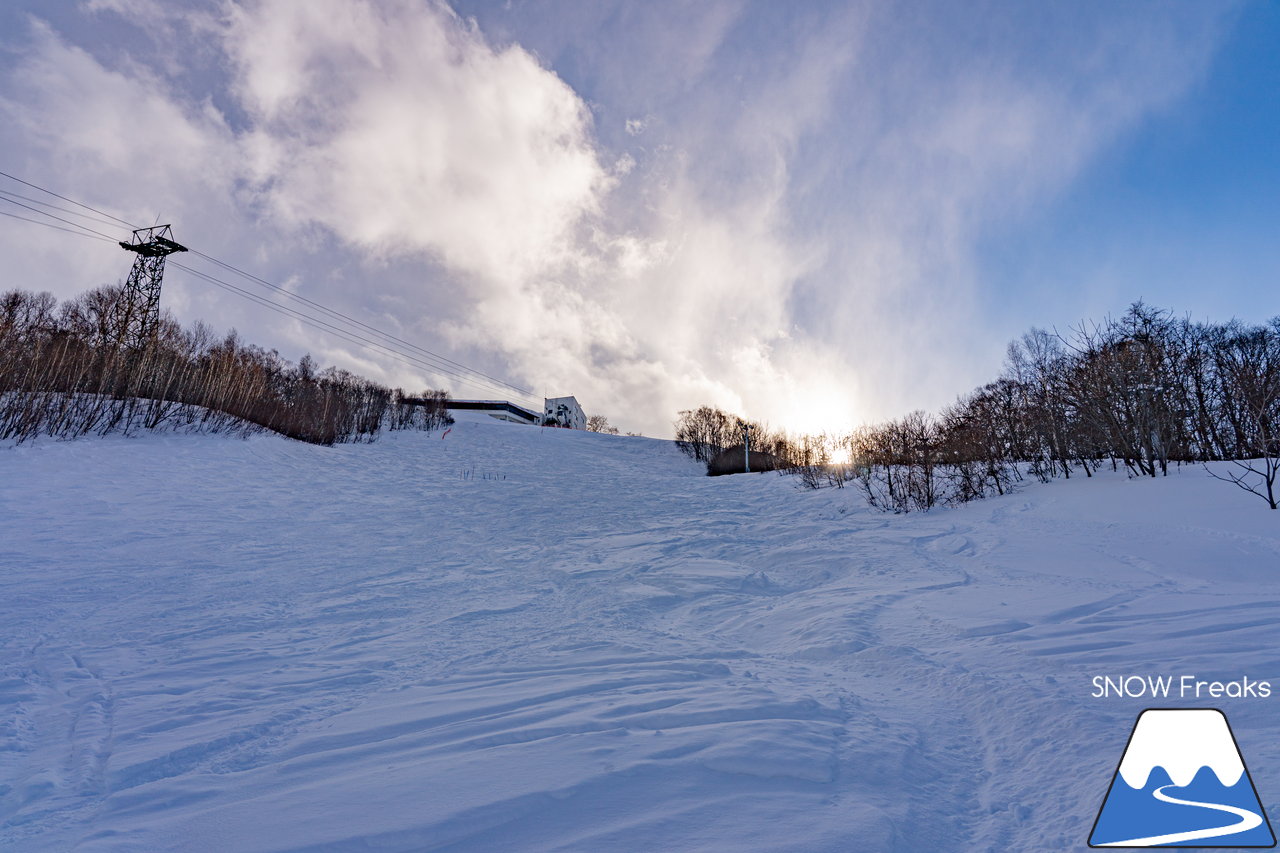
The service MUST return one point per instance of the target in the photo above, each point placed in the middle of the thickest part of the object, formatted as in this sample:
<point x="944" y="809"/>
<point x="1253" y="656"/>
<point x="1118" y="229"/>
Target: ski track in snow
<point x="214" y="644"/>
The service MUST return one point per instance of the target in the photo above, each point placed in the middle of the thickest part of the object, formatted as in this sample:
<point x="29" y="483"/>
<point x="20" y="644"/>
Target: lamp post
<point x="746" y="446"/>
<point x="1149" y="398"/>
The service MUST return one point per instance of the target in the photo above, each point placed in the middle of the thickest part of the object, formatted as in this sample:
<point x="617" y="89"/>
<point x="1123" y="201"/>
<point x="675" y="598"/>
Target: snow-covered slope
<point x="524" y="639"/>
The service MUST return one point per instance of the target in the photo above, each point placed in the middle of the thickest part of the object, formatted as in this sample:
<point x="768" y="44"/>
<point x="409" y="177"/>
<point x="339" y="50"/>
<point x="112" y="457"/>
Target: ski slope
<point x="523" y="639"/>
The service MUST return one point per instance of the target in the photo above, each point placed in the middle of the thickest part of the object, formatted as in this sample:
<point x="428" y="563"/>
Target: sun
<point x="823" y="412"/>
<point x="840" y="455"/>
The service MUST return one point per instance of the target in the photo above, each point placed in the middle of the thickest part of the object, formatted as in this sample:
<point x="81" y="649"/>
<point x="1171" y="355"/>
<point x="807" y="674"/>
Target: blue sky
<point x="1185" y="213"/>
<point x="817" y="216"/>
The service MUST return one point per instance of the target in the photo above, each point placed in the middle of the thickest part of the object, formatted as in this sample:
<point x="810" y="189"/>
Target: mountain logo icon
<point x="1182" y="783"/>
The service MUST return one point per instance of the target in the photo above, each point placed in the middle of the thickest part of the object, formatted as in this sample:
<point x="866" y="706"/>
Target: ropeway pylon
<point x="138" y="312"/>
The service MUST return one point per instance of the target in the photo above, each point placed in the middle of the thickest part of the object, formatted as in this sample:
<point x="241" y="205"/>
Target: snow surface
<point x="532" y="639"/>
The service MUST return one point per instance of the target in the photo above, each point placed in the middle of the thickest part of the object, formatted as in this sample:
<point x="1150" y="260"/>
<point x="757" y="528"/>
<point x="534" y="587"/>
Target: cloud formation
<point x="778" y="215"/>
<point x="401" y="130"/>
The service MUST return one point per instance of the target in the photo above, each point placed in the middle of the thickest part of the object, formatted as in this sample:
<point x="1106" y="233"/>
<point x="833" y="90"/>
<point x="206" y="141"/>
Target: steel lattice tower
<point x="138" y="312"/>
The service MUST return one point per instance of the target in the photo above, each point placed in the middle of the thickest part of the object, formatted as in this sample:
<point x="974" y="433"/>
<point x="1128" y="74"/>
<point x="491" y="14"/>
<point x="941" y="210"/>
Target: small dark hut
<point x="730" y="461"/>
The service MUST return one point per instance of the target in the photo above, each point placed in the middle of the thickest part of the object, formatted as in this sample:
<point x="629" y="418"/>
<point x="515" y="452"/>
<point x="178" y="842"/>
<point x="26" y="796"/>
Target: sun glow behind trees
<point x="1144" y="390"/>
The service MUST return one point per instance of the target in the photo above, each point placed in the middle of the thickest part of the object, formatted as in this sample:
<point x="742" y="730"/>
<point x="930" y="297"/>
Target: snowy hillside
<point x="524" y="639"/>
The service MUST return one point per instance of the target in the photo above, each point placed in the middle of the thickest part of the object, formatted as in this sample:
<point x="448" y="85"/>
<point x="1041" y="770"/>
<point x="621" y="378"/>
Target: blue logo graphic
<point x="1182" y="783"/>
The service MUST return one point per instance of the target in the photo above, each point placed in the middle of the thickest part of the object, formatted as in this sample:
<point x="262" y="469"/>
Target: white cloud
<point x="118" y="138"/>
<point x="403" y="133"/>
<point x="953" y="145"/>
<point x="788" y="231"/>
<point x="399" y="128"/>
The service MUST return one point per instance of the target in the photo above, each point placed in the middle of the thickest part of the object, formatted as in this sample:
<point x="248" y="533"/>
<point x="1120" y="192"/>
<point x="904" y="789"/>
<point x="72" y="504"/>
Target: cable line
<point x="344" y="334"/>
<point x="59" y="218"/>
<point x="352" y="320"/>
<point x="71" y="200"/>
<point x="423" y="358"/>
<point x="59" y="227"/>
<point x="98" y="220"/>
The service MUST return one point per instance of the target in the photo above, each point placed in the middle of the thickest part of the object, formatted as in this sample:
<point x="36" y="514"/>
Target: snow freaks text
<point x="1177" y="687"/>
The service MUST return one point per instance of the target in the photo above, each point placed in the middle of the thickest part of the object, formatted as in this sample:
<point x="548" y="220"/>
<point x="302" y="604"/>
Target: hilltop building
<point x="556" y="411"/>
<point x="500" y="409"/>
<point x="564" y="411"/>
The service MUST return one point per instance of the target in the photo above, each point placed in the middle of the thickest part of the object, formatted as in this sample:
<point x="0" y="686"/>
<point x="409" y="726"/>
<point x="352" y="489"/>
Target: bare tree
<point x="599" y="423"/>
<point x="64" y="373"/>
<point x="1250" y="371"/>
<point x="705" y="431"/>
<point x="1141" y="392"/>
